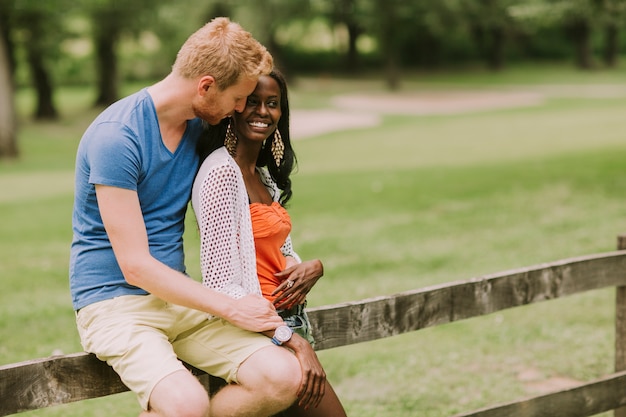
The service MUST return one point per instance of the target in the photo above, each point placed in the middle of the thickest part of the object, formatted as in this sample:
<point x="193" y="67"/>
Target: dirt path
<point x="353" y="111"/>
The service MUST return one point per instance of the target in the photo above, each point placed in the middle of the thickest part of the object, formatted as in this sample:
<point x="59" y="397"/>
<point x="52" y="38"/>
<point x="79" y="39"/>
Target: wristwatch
<point x="282" y="334"/>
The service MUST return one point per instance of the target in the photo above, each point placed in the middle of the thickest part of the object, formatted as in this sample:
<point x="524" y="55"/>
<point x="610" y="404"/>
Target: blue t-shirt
<point x="123" y="148"/>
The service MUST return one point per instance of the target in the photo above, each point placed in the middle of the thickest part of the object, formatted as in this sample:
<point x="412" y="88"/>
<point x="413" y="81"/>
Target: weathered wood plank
<point x="56" y="380"/>
<point x="45" y="382"/>
<point x="620" y="326"/>
<point x="588" y="399"/>
<point x="376" y="318"/>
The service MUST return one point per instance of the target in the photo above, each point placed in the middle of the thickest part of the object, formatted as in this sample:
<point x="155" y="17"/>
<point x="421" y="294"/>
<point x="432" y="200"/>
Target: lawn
<point x="416" y="201"/>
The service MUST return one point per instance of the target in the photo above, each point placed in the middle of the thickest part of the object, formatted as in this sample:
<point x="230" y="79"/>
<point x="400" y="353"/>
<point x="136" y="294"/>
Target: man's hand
<point x="254" y="313"/>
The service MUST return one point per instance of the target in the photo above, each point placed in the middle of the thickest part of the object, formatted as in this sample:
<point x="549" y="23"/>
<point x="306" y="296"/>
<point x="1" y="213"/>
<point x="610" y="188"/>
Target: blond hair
<point x="224" y="50"/>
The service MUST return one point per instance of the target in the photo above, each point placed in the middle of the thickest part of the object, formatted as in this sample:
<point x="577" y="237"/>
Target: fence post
<point x="620" y="326"/>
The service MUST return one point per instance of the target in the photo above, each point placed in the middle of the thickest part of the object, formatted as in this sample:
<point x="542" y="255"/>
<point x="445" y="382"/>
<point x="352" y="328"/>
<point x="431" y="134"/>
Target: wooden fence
<point x="46" y="382"/>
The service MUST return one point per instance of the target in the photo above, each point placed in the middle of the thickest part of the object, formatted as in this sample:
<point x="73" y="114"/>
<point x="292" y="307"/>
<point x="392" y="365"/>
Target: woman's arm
<point x="298" y="280"/>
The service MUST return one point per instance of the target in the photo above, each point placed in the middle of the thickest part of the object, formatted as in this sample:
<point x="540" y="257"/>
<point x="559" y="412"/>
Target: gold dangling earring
<point x="278" y="147"/>
<point x="230" y="141"/>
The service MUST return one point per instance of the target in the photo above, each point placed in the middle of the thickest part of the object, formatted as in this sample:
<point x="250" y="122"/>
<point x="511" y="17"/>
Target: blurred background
<point x="102" y="43"/>
<point x="437" y="140"/>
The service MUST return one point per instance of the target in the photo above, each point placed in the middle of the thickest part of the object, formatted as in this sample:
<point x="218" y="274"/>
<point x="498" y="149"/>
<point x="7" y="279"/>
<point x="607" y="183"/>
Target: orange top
<point x="270" y="226"/>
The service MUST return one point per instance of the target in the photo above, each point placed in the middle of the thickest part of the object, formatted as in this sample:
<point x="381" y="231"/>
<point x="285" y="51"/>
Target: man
<point x="135" y="307"/>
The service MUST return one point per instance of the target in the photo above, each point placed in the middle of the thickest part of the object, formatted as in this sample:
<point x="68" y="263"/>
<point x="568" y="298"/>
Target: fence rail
<point x="46" y="382"/>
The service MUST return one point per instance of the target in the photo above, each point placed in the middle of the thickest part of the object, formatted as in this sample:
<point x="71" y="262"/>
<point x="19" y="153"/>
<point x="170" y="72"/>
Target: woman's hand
<point x="298" y="279"/>
<point x="312" y="387"/>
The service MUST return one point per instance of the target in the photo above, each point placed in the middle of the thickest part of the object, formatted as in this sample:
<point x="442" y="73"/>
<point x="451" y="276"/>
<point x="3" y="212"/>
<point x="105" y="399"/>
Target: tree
<point x="577" y="18"/>
<point x="348" y="13"/>
<point x="6" y="35"/>
<point x="491" y="25"/>
<point x="110" y="21"/>
<point x="107" y="25"/>
<point x="398" y="26"/>
<point x="36" y="27"/>
<point x="612" y="14"/>
<point x="388" y="12"/>
<point x="265" y="19"/>
<point x="578" y="28"/>
<point x="435" y="33"/>
<point x="8" y="129"/>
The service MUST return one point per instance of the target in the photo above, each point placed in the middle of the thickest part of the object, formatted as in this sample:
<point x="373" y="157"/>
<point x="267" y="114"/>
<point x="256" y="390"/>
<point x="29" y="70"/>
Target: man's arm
<point x="123" y="221"/>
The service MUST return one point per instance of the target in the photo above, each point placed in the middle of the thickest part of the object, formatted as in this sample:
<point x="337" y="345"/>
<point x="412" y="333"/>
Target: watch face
<point x="283" y="333"/>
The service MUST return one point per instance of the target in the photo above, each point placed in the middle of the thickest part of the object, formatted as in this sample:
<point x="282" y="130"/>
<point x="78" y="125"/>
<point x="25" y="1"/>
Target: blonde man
<point x="135" y="306"/>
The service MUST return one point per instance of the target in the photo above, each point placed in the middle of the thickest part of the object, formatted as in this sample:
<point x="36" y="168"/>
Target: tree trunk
<point x="352" y="56"/>
<point x="496" y="49"/>
<point x="611" y="46"/>
<point x="106" y="35"/>
<point x="490" y="43"/>
<point x="581" y="35"/>
<point x="5" y="35"/>
<point x="8" y="126"/>
<point x="40" y="76"/>
<point x="389" y="43"/>
<point x="41" y="81"/>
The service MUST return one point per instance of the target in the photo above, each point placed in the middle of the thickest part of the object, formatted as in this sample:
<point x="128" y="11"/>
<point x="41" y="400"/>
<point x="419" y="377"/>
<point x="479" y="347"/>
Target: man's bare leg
<point x="267" y="384"/>
<point x="178" y="395"/>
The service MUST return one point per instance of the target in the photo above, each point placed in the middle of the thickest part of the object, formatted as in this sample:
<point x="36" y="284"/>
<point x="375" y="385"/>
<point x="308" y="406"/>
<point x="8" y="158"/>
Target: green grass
<point x="415" y="202"/>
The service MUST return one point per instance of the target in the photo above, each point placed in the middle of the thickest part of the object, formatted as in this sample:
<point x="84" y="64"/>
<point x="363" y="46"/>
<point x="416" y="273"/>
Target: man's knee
<point x="180" y="395"/>
<point x="274" y="370"/>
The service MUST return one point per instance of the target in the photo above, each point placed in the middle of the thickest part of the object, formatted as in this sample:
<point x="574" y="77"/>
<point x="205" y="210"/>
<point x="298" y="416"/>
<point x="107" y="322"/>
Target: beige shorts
<point x="143" y="338"/>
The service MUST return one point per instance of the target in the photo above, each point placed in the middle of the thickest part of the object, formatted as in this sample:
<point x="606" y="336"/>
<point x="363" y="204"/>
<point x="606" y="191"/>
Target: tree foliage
<point x="102" y="42"/>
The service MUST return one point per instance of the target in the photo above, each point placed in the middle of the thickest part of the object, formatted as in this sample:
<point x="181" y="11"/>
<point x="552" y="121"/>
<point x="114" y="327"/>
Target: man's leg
<point x="178" y="394"/>
<point x="129" y="333"/>
<point x="267" y="384"/>
<point x="263" y="378"/>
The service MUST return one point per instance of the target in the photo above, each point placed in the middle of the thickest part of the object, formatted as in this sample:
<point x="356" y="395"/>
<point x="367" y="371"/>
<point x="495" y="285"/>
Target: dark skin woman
<point x="258" y="140"/>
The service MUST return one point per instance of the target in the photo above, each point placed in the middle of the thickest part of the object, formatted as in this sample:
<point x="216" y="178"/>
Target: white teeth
<point x="258" y="124"/>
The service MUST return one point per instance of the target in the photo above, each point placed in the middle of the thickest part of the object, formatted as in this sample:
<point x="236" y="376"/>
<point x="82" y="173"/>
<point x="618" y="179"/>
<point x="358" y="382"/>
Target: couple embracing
<point x="218" y="124"/>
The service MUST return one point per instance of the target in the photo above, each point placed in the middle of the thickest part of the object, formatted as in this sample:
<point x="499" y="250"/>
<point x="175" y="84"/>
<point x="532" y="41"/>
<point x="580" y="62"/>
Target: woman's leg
<point x="330" y="406"/>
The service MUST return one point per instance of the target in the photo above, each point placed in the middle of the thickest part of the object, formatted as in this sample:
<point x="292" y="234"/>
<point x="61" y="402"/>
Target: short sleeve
<point x="114" y="157"/>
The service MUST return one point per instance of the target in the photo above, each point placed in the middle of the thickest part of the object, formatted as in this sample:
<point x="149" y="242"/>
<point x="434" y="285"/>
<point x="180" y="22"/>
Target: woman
<point x="239" y="197"/>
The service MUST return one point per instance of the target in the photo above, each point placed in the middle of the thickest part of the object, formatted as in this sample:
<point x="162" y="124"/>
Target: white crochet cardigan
<point x="221" y="205"/>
